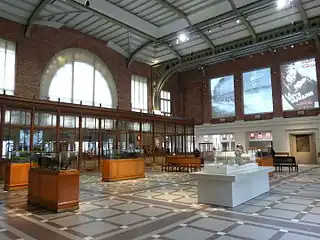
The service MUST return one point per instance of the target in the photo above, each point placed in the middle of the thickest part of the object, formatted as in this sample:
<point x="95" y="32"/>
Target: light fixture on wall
<point x="87" y="3"/>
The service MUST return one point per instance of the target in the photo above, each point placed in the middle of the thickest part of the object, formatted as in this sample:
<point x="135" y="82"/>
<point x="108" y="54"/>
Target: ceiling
<point x="148" y="30"/>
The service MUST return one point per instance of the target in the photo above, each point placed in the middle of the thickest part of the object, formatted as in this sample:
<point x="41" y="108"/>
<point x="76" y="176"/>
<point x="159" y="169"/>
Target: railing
<point x="7" y="92"/>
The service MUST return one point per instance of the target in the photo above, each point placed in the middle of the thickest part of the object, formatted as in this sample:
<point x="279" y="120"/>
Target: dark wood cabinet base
<point x="55" y="190"/>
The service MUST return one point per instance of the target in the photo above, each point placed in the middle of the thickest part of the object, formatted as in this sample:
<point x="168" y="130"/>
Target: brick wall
<point x="34" y="53"/>
<point x="197" y="102"/>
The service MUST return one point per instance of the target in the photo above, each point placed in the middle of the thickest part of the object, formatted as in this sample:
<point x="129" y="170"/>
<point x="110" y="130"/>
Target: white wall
<point x="281" y="128"/>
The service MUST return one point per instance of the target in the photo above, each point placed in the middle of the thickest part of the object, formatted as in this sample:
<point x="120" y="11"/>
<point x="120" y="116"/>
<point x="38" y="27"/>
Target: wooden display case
<point x="17" y="175"/>
<point x="122" y="169"/>
<point x="56" y="190"/>
<point x="265" y="162"/>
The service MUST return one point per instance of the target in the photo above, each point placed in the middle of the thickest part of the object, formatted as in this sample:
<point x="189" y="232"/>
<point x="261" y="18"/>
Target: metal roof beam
<point x="303" y="14"/>
<point x="135" y="31"/>
<point x="243" y="20"/>
<point x="144" y="46"/>
<point x="34" y="16"/>
<point x="228" y="15"/>
<point x="180" y="13"/>
<point x="117" y="13"/>
<point x="317" y="41"/>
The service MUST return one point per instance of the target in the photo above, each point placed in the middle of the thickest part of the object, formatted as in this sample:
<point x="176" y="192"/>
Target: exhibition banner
<point x="222" y="97"/>
<point x="299" y="85"/>
<point x="257" y="91"/>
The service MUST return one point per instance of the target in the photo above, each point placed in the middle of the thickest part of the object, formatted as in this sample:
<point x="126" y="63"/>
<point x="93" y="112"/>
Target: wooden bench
<point x="285" y="161"/>
<point x="181" y="164"/>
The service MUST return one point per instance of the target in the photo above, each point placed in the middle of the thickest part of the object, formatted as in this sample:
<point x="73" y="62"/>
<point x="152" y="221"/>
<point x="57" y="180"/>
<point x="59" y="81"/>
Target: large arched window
<point x="76" y="76"/>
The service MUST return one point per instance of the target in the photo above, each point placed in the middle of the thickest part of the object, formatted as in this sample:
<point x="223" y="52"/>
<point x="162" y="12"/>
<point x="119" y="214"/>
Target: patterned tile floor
<point x="164" y="206"/>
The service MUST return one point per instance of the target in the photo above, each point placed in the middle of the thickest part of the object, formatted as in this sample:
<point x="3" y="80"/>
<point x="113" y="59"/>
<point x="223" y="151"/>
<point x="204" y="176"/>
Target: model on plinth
<point x="232" y="179"/>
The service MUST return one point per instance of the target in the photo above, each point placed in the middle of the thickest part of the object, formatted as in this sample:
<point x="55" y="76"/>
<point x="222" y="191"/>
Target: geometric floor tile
<point x="167" y="197"/>
<point x="187" y="200"/>
<point x="270" y="197"/>
<point x="87" y="207"/>
<point x="315" y="210"/>
<point x="311" y="218"/>
<point x="288" y="206"/>
<point x="94" y="228"/>
<point x="102" y="213"/>
<point x="186" y="233"/>
<point x="280" y="213"/>
<point x="71" y="220"/>
<point x="126" y="219"/>
<point x="253" y="232"/>
<point x="227" y="238"/>
<point x="298" y="201"/>
<point x="152" y="211"/>
<point x="128" y="206"/>
<point x="165" y="206"/>
<point x="148" y="194"/>
<point x="293" y="236"/>
<point x="248" y="209"/>
<point x="212" y="224"/>
<point x="110" y="202"/>
<point x="260" y="203"/>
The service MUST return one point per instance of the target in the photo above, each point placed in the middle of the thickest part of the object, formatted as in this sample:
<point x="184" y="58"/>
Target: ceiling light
<point x="238" y="21"/>
<point x="183" y="37"/>
<point x="155" y="61"/>
<point x="282" y="4"/>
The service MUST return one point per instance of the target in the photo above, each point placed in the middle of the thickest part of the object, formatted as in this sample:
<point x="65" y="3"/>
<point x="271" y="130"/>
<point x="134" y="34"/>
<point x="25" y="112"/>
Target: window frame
<point x="7" y="46"/>
<point x="71" y="56"/>
<point x="139" y="87"/>
<point x="165" y="103"/>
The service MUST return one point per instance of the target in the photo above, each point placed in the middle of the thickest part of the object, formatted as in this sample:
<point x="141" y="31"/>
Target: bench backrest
<point x="286" y="154"/>
<point x="283" y="159"/>
<point x="181" y="160"/>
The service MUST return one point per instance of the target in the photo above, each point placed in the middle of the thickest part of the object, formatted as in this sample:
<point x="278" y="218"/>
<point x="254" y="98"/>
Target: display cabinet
<point x="53" y="185"/>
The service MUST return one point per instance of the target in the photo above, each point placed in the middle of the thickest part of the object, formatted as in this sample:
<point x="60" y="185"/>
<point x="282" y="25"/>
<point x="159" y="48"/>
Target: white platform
<point x="233" y="189"/>
<point x="213" y="168"/>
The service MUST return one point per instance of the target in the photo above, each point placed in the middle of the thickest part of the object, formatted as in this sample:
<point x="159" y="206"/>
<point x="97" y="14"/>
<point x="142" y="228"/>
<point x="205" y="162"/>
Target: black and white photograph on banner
<point x="222" y="97"/>
<point x="299" y="85"/>
<point x="257" y="94"/>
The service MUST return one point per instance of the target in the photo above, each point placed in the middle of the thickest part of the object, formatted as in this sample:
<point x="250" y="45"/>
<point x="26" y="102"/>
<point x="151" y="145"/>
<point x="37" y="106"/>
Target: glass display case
<point x="230" y="162"/>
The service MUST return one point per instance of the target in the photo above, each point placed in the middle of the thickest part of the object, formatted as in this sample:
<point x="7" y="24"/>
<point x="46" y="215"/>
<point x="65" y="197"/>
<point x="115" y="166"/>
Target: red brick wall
<point x="34" y="53"/>
<point x="196" y="86"/>
<point x="177" y="94"/>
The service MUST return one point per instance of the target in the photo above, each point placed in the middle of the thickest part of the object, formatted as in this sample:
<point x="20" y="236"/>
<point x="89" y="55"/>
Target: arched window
<point x="76" y="76"/>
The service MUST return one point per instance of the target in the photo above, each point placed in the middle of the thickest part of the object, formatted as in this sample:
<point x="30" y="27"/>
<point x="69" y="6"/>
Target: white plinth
<point x="213" y="168"/>
<point x="232" y="189"/>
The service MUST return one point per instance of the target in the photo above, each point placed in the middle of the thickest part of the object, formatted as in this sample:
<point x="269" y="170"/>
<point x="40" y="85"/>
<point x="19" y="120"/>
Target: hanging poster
<point x="299" y="85"/>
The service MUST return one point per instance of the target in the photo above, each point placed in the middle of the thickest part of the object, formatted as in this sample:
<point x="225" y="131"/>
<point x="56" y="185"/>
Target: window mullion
<point x="5" y="65"/>
<point x="72" y="79"/>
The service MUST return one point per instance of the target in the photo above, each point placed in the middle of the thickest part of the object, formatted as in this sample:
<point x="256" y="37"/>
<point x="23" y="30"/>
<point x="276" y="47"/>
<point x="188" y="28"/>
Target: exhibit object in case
<point x="231" y="182"/>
